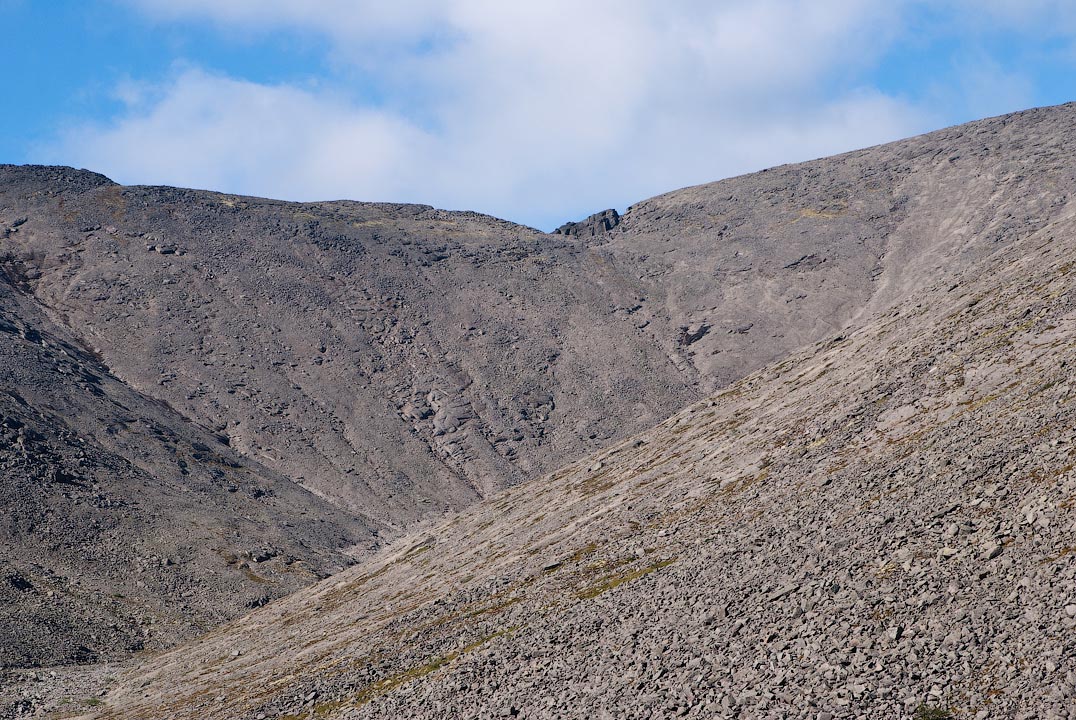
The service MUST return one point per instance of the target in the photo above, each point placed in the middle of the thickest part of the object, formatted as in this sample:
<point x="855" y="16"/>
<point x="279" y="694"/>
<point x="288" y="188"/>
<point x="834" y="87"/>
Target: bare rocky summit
<point x="865" y="508"/>
<point x="402" y="361"/>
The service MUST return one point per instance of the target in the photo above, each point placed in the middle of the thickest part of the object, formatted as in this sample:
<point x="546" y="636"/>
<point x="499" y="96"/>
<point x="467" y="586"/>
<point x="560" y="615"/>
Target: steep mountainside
<point x="881" y="522"/>
<point x="125" y="526"/>
<point x="398" y="360"/>
<point x="754" y="267"/>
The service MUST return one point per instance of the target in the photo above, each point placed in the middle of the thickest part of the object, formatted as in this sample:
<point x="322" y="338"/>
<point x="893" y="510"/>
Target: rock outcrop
<point x="596" y="224"/>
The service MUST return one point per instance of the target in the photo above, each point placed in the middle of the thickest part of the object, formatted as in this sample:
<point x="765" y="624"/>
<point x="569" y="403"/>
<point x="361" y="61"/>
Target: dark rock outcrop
<point x="596" y="224"/>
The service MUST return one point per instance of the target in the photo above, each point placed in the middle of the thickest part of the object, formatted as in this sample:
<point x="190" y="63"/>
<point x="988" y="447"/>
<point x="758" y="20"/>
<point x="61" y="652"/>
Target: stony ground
<point x="881" y="525"/>
<point x="55" y="692"/>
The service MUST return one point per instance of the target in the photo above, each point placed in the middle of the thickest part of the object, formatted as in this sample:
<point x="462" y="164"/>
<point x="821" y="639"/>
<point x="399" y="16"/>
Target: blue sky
<point x="538" y="112"/>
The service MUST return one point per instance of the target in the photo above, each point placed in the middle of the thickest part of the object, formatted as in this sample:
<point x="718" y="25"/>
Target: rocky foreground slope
<point x="880" y="524"/>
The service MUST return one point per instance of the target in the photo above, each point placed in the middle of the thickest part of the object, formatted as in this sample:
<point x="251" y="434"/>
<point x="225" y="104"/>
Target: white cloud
<point x="535" y="111"/>
<point x="214" y="132"/>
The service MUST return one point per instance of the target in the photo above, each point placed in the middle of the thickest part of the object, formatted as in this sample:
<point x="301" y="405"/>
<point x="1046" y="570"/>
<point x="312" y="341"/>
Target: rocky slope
<point x="125" y="525"/>
<point x="207" y="401"/>
<point x="149" y="399"/>
<point x="879" y="524"/>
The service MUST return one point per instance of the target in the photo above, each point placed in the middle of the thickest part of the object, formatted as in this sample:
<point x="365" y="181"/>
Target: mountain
<point x="395" y="362"/>
<point x="879" y="521"/>
<point x="870" y="509"/>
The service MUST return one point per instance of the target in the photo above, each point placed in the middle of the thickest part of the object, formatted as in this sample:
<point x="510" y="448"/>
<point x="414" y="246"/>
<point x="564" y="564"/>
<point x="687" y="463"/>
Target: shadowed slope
<point x="125" y="525"/>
